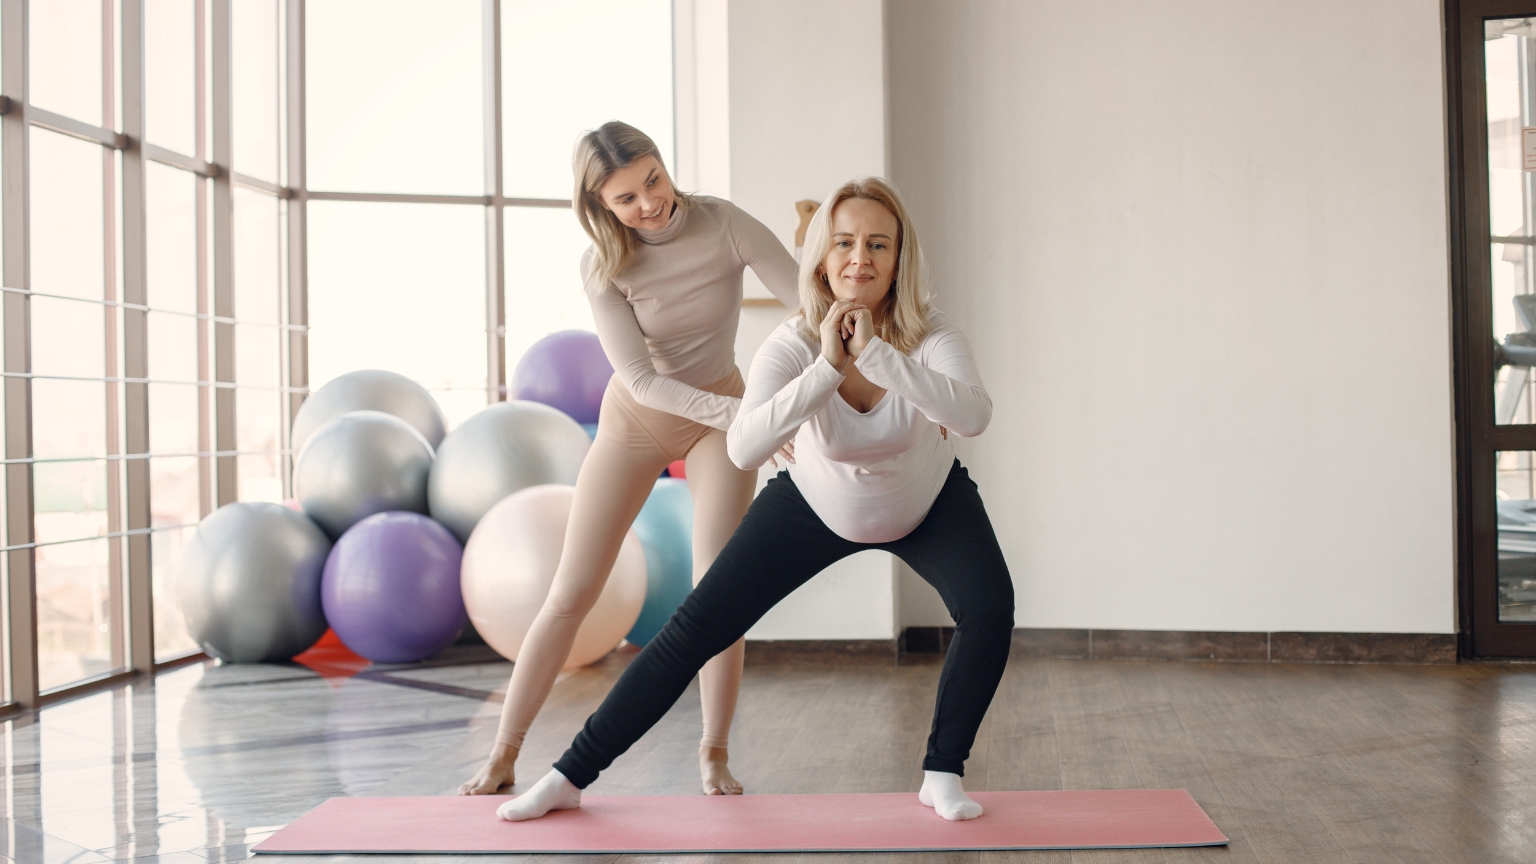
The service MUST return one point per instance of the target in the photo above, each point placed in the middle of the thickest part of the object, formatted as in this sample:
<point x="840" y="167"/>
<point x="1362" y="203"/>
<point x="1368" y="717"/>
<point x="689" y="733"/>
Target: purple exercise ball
<point x="565" y="370"/>
<point x="391" y="587"/>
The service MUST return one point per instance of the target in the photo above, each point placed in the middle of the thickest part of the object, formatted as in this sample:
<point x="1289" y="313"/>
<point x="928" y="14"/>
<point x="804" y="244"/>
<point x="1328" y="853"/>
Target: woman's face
<point x="639" y="194"/>
<point x="861" y="265"/>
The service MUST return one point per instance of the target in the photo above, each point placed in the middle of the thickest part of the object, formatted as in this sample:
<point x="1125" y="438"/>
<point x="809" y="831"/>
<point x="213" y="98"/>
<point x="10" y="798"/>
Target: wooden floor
<point x="1296" y="763"/>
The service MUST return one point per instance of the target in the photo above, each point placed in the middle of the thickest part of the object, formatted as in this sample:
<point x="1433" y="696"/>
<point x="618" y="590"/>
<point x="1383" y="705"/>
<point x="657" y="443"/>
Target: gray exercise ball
<point x="370" y="390"/>
<point x="359" y="464"/>
<point x="249" y="583"/>
<point x="504" y="448"/>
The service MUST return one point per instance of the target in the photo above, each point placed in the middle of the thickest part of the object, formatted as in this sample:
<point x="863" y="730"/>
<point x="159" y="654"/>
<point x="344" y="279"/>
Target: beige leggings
<point x="633" y="445"/>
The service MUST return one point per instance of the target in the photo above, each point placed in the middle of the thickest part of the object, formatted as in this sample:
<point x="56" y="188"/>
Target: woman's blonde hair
<point x="904" y="322"/>
<point x="599" y="153"/>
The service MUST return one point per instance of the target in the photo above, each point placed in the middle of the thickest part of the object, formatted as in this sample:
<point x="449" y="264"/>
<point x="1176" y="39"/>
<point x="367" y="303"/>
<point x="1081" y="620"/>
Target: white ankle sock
<point x="552" y="792"/>
<point x="942" y="791"/>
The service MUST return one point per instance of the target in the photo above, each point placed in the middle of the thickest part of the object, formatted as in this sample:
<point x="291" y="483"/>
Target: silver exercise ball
<point x="503" y="449"/>
<point x="359" y="464"/>
<point x="370" y="390"/>
<point x="249" y="583"/>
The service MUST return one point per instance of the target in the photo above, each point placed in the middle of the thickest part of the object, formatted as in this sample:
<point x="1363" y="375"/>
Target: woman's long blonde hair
<point x="904" y="323"/>
<point x="599" y="153"/>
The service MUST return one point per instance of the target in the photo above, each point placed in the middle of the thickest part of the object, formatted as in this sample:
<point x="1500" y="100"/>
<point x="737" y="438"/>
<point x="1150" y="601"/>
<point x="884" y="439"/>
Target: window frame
<point x="126" y="155"/>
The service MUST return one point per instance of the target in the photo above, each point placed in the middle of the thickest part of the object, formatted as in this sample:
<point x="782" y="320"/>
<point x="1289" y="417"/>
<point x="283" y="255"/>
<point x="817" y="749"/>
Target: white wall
<point x="1201" y="250"/>
<point x="778" y="138"/>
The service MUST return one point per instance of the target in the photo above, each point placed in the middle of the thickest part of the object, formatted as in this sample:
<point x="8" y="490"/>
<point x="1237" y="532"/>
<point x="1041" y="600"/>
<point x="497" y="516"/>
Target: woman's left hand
<point x="858" y="329"/>
<point x="786" y="453"/>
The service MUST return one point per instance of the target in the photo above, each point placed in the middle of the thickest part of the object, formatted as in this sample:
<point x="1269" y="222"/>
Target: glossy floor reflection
<point x="204" y="761"/>
<point x="1315" y="763"/>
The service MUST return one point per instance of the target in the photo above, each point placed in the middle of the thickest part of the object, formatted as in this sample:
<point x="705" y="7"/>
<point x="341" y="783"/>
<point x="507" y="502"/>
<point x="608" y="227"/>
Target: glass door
<point x="1491" y="54"/>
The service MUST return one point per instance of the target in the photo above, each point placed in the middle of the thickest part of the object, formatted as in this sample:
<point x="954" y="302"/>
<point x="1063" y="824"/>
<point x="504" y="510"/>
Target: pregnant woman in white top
<point x="874" y="381"/>
<point x="664" y="279"/>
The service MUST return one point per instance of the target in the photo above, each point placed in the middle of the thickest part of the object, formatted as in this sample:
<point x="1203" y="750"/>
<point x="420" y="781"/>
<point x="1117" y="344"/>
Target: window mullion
<point x="495" y="236"/>
<point x="21" y="568"/>
<point x="226" y="475"/>
<point x="297" y="339"/>
<point x="136" y="343"/>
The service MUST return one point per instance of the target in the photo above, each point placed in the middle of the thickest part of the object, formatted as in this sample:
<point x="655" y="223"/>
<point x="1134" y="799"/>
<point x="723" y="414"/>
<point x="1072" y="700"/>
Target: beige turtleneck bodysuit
<point x="668" y="323"/>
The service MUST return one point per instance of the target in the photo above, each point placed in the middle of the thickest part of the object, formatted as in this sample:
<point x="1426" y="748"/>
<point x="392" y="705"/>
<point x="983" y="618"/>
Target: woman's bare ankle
<point x="496" y="774"/>
<point x="503" y="754"/>
<point x="714" y="772"/>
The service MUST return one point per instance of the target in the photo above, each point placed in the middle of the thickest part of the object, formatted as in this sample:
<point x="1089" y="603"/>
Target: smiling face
<point x="640" y="194"/>
<point x="861" y="264"/>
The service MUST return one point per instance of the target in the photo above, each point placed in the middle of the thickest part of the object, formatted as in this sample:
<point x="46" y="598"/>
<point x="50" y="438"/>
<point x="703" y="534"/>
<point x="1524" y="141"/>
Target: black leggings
<point x="780" y="545"/>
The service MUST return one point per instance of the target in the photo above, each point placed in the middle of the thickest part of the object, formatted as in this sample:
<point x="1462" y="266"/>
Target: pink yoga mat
<point x="896" y="822"/>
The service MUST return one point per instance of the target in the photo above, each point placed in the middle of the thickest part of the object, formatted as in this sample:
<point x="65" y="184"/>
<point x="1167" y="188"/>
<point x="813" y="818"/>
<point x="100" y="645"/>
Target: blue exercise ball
<point x="665" y="529"/>
<point x="391" y="588"/>
<point x="249" y="583"/>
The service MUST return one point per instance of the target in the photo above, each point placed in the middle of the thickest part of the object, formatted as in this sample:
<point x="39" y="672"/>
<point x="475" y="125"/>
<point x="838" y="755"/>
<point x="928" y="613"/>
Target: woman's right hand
<point x="832" y="332"/>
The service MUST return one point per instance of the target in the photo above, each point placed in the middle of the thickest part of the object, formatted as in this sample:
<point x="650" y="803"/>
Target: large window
<point x="144" y="319"/>
<point x="441" y="242"/>
<point x="211" y="207"/>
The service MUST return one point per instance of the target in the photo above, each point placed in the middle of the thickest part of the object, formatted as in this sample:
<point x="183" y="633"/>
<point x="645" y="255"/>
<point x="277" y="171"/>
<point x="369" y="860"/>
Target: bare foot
<point x="495" y="775"/>
<point x="552" y="792"/>
<point x="942" y="791"/>
<point x="716" y="776"/>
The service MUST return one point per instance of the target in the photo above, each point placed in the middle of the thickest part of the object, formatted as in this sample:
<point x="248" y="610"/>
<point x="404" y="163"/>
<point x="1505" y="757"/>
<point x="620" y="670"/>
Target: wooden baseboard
<point x="1432" y="648"/>
<point x="821" y="652"/>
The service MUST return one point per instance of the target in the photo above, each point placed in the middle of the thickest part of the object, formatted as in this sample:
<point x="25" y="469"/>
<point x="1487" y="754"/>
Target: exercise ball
<point x="665" y="529"/>
<point x="359" y="464"/>
<point x="370" y="390"/>
<point x="504" y="448"/>
<point x="249" y="583"/>
<point x="509" y="564"/>
<point x="565" y="370"/>
<point x="391" y="588"/>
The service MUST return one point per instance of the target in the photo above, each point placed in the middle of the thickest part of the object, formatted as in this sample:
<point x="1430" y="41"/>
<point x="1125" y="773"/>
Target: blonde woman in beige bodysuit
<point x="664" y="279"/>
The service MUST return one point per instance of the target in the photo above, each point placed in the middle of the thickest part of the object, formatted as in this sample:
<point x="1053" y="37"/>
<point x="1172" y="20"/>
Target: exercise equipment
<point x="661" y="824"/>
<point x="370" y="390"/>
<point x="509" y="565"/>
<point x="361" y="463"/>
<point x="249" y="583"/>
<point x="391" y="588"/>
<point x="665" y="529"/>
<point x="506" y="447"/>
<point x="565" y="370"/>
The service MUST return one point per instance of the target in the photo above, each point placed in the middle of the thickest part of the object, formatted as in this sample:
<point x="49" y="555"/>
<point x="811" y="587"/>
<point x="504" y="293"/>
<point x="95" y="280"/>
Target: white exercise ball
<point x="507" y="447"/>
<point x="509" y="565"/>
<point x="370" y="390"/>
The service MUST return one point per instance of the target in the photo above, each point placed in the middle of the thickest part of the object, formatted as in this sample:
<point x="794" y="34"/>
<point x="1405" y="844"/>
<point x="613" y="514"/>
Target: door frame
<point x="1480" y="634"/>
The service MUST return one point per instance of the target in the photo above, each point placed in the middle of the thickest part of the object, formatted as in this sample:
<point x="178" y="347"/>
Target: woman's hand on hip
<point x="832" y="332"/>
<point x="786" y="454"/>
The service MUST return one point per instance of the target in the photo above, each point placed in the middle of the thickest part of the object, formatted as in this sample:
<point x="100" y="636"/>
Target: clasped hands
<point x="845" y="332"/>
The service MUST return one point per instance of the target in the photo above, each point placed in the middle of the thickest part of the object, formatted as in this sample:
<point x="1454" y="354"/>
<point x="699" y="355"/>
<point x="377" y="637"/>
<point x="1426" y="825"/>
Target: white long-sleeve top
<point x="668" y="322"/>
<point x="870" y="477"/>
